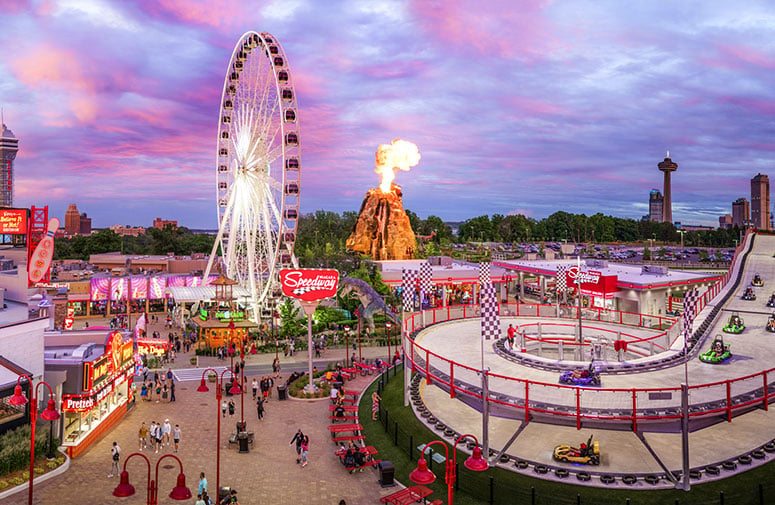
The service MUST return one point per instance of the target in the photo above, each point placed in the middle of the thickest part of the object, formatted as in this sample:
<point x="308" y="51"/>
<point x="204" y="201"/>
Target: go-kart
<point x="757" y="281"/>
<point x="771" y="301"/>
<point x="588" y="454"/>
<point x="748" y="294"/>
<point x="581" y="377"/>
<point x="771" y="323"/>
<point x="718" y="352"/>
<point x="735" y="324"/>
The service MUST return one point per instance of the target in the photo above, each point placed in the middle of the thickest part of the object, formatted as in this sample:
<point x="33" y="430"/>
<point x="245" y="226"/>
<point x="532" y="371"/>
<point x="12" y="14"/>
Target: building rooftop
<point x="628" y="276"/>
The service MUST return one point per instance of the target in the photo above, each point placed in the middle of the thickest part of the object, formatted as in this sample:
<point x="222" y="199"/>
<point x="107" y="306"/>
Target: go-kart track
<point x="635" y="416"/>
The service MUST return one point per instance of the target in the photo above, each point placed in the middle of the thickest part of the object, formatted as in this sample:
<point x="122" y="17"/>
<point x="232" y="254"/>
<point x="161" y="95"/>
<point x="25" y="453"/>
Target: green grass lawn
<point x="513" y="488"/>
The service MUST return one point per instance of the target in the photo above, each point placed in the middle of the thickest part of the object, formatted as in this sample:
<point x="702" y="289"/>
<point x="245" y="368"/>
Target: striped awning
<point x="183" y="294"/>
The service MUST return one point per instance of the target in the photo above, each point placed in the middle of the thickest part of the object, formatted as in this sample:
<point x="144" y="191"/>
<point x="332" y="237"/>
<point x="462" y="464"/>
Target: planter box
<point x="195" y="360"/>
<point x="212" y="377"/>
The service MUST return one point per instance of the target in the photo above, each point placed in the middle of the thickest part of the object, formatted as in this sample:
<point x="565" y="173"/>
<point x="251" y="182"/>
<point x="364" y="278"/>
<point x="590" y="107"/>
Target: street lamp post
<point x="179" y="492"/>
<point x="421" y="474"/>
<point x="387" y="333"/>
<point x="218" y="396"/>
<point x="49" y="414"/>
<point x="346" y="345"/>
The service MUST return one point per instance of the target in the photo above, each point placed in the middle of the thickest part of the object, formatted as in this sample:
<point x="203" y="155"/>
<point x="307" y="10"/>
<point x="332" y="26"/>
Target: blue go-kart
<point x="583" y="377"/>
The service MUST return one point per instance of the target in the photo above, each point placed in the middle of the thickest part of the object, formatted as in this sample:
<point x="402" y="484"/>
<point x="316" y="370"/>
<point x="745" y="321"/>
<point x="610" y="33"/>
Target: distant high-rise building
<point x="72" y="220"/>
<point x="725" y="221"/>
<point x="160" y="223"/>
<point x="84" y="227"/>
<point x="667" y="167"/>
<point x="760" y="202"/>
<point x="9" y="146"/>
<point x="656" y="204"/>
<point x="741" y="212"/>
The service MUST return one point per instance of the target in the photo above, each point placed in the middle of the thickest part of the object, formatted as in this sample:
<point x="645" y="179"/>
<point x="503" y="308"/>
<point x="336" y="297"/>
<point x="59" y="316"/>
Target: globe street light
<point x="49" y="414"/>
<point x="218" y="396"/>
<point x="475" y="462"/>
<point x="179" y="492"/>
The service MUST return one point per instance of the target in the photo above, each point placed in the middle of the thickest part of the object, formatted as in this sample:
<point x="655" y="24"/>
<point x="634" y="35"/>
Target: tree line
<point x="322" y="234"/>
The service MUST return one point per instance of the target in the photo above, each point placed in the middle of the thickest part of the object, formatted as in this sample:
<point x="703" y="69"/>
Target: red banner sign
<point x="592" y="283"/>
<point x="13" y="221"/>
<point x="309" y="285"/>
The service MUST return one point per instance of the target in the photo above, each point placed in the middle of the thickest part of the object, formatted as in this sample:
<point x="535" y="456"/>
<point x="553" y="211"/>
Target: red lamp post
<point x="475" y="462"/>
<point x="218" y="396"/>
<point x="49" y="414"/>
<point x="179" y="492"/>
<point x="387" y="333"/>
<point x="346" y="345"/>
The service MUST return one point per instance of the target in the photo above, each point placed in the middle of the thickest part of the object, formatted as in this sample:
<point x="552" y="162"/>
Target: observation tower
<point x="667" y="167"/>
<point x="9" y="146"/>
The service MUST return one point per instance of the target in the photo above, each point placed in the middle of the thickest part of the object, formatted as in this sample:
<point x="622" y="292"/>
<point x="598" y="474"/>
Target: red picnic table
<point x="366" y="368"/>
<point x="338" y="428"/>
<point x="369" y="450"/>
<point x="407" y="496"/>
<point x="347" y="408"/>
<point x="355" y="428"/>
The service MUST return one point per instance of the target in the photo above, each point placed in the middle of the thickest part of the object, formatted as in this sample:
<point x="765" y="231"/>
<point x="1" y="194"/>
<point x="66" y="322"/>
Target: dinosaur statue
<point x="371" y="301"/>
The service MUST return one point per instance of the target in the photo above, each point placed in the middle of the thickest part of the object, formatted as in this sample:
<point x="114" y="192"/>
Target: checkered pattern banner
<point x="690" y="305"/>
<point x="484" y="274"/>
<point x="426" y="277"/>
<point x="490" y="318"/>
<point x="562" y="279"/>
<point x="409" y="279"/>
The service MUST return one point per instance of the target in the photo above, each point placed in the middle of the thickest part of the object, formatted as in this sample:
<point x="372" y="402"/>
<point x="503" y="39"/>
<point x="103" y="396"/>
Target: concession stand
<point x="97" y="392"/>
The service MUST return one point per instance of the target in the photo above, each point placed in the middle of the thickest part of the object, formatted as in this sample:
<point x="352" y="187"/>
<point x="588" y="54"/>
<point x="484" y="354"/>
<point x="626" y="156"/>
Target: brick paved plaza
<point x="267" y="475"/>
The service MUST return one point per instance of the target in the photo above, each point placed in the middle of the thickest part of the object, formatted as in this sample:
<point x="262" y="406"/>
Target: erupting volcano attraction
<point x="383" y="230"/>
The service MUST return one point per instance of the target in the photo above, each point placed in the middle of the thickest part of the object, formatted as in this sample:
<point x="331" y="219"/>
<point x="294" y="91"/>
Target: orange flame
<point x="398" y="155"/>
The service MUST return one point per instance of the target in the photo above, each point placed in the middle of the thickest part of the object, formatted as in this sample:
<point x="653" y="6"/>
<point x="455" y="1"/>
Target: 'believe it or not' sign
<point x="308" y="284"/>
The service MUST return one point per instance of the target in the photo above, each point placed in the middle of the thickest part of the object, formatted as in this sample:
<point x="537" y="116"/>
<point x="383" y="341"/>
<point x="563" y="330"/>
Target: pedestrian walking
<point x="202" y="483"/>
<point x="304" y="451"/>
<point x="231" y="407"/>
<point x="269" y="386"/>
<point x="172" y="391"/>
<point x="260" y="408"/>
<point x="142" y="435"/>
<point x="224" y="406"/>
<point x="276" y="368"/>
<point x="298" y="438"/>
<point x="375" y="398"/>
<point x="176" y="436"/>
<point x="115" y="453"/>
<point x="166" y="431"/>
<point x="254" y="386"/>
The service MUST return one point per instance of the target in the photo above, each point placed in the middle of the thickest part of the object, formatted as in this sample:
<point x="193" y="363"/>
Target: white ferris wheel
<point x="258" y="168"/>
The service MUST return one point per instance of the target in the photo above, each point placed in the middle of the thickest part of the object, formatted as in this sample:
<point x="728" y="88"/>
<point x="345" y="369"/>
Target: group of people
<point x="202" y="498"/>
<point x="163" y="385"/>
<point x="352" y="457"/>
<point x="302" y="447"/>
<point x="158" y="435"/>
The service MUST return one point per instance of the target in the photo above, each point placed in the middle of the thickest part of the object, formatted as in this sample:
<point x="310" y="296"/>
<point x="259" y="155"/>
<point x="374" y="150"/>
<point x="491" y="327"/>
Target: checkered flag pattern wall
<point x="690" y="310"/>
<point x="562" y="279"/>
<point x="490" y="318"/>
<point x="409" y="279"/>
<point x="426" y="277"/>
<point x="484" y="273"/>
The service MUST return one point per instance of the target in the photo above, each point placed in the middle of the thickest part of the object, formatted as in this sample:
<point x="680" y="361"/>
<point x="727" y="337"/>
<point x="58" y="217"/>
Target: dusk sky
<point x="516" y="106"/>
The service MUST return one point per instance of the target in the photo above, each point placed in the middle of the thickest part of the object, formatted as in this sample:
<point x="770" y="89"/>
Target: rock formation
<point x="383" y="230"/>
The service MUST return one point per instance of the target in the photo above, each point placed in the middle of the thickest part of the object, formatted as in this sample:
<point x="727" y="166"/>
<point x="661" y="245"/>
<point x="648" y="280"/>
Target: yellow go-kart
<point x="587" y="454"/>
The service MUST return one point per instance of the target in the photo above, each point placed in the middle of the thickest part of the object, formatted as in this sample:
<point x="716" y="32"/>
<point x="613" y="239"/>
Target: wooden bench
<point x="368" y="463"/>
<point x="347" y="408"/>
<point x="406" y="496"/>
<point x="233" y="438"/>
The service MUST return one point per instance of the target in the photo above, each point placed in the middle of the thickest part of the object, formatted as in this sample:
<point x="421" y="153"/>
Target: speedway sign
<point x="308" y="284"/>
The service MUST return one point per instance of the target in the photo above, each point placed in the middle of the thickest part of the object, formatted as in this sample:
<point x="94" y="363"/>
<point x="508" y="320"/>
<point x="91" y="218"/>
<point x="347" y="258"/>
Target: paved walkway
<point x="267" y="475"/>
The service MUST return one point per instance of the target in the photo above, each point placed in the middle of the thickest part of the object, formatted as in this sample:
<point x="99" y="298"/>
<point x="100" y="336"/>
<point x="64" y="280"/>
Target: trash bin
<point x="386" y="473"/>
<point x="243" y="438"/>
<point x="282" y="392"/>
<point x="227" y="387"/>
<point x="223" y="492"/>
<point x="241" y="426"/>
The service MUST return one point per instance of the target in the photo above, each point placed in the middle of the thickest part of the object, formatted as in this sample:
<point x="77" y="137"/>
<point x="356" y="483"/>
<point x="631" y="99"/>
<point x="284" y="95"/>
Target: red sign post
<point x="309" y="286"/>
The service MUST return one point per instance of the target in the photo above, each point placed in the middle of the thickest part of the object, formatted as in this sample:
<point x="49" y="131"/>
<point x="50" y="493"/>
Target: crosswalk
<point x="191" y="374"/>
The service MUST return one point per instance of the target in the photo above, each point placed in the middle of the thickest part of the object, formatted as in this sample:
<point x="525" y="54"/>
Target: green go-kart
<point x="718" y="352"/>
<point x="735" y="324"/>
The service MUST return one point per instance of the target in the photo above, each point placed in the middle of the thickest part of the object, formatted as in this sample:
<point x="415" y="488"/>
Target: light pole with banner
<point x="309" y="286"/>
